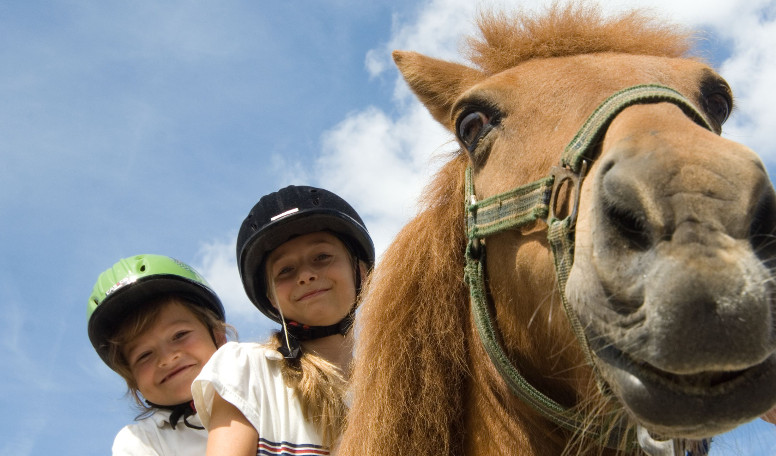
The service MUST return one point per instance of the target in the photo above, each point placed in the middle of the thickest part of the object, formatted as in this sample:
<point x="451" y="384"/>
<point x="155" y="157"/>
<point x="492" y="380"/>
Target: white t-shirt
<point x="247" y="375"/>
<point x="154" y="435"/>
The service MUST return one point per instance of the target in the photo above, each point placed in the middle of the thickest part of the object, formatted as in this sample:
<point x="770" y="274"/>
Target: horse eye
<point x="470" y="127"/>
<point x="718" y="106"/>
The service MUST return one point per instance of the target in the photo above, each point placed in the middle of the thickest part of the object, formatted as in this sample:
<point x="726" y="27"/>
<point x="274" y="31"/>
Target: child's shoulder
<point x="248" y="347"/>
<point x="154" y="435"/>
<point x="246" y="352"/>
<point x="142" y="435"/>
<point x="240" y="365"/>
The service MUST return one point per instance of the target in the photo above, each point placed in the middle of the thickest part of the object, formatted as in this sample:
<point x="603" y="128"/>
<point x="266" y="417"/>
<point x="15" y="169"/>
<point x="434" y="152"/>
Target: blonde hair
<point x="320" y="385"/>
<point x="140" y="320"/>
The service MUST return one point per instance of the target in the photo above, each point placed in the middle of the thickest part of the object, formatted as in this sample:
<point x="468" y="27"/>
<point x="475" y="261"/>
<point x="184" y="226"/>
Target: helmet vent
<point x="142" y="268"/>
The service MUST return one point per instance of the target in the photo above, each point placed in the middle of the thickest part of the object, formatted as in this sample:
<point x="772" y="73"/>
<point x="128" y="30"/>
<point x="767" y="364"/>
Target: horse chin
<point x="689" y="406"/>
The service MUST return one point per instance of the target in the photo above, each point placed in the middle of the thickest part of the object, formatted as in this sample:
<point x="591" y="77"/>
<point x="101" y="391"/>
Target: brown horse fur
<point x="423" y="384"/>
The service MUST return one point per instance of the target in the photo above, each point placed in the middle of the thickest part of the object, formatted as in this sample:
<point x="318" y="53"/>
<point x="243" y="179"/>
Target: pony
<point x="592" y="268"/>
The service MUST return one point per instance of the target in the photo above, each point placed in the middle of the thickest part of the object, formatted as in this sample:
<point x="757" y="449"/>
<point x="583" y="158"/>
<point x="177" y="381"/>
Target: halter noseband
<point x="535" y="201"/>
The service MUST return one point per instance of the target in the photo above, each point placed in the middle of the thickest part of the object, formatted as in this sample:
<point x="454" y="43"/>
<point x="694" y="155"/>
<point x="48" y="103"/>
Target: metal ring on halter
<point x="562" y="174"/>
<point x="475" y="244"/>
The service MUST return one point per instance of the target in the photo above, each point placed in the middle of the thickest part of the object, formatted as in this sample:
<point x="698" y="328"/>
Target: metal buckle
<point x="561" y="175"/>
<point x="475" y="244"/>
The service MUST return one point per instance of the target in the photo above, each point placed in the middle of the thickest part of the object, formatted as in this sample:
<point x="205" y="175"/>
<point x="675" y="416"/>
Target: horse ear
<point x="437" y="83"/>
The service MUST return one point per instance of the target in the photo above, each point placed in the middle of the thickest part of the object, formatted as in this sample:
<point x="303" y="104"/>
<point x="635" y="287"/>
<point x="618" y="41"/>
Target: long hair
<point x="320" y="385"/>
<point x="411" y="345"/>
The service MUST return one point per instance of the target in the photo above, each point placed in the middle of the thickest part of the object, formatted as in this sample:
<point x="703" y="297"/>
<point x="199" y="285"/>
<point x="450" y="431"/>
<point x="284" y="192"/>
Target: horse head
<point x="661" y="231"/>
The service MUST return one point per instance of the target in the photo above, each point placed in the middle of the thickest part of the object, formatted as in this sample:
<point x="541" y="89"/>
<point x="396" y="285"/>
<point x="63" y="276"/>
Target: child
<point x="302" y="254"/>
<point x="156" y="322"/>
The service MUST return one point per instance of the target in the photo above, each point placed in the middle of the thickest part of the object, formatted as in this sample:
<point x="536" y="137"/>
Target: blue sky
<point x="154" y="126"/>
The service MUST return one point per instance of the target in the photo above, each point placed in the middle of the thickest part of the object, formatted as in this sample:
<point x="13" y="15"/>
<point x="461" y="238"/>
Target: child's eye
<point x="180" y="334"/>
<point x="142" y="357"/>
<point x="284" y="271"/>
<point x="323" y="256"/>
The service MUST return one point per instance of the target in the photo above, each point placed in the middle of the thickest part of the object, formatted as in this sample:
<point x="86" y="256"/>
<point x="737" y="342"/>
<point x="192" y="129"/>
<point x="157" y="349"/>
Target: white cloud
<point x="375" y="62"/>
<point x="290" y="171"/>
<point x="380" y="165"/>
<point x="751" y="70"/>
<point x="686" y="12"/>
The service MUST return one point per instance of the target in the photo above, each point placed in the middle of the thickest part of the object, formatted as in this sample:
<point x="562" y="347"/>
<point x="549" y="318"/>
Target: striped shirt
<point x="247" y="375"/>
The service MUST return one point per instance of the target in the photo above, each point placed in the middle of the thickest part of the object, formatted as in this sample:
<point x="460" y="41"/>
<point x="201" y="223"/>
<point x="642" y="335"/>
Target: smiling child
<point x="303" y="253"/>
<point x="156" y="322"/>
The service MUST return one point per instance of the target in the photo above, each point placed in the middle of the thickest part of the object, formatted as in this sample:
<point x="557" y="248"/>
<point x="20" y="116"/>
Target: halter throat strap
<point x="536" y="201"/>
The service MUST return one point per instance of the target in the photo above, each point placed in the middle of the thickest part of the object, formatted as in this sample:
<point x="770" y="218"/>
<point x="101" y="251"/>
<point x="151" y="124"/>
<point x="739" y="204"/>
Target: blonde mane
<point x="412" y="368"/>
<point x="417" y="344"/>
<point x="506" y="41"/>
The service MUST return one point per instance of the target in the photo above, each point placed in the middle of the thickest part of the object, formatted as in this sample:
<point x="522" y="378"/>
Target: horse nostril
<point x="631" y="225"/>
<point x="606" y="166"/>
<point x="620" y="195"/>
<point x="762" y="229"/>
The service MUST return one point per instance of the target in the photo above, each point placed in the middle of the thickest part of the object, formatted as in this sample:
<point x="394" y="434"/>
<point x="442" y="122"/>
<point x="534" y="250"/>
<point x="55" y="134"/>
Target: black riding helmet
<point x="285" y="214"/>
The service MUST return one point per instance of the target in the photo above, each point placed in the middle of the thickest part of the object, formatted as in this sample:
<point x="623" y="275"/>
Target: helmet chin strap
<point x="178" y="411"/>
<point x="295" y="332"/>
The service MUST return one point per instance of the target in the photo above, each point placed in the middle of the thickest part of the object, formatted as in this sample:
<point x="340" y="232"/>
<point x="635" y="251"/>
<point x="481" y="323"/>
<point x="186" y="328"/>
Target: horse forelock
<point x="574" y="29"/>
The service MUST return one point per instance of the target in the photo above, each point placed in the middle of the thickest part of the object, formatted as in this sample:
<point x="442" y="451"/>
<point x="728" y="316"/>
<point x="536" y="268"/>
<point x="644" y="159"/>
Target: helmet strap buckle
<point x="290" y="348"/>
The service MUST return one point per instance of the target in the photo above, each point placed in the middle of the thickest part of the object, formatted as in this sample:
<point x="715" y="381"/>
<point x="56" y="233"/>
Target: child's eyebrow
<point x="134" y="343"/>
<point x="129" y="350"/>
<point x="273" y="259"/>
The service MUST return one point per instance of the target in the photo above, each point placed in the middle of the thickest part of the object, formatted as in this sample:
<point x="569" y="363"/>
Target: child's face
<point x="166" y="358"/>
<point x="313" y="279"/>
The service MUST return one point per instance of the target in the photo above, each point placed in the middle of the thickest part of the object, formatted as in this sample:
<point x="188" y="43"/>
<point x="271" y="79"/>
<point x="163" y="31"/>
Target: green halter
<point x="536" y="201"/>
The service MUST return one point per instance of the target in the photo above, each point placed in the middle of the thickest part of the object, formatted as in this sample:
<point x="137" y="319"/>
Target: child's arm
<point x="230" y="432"/>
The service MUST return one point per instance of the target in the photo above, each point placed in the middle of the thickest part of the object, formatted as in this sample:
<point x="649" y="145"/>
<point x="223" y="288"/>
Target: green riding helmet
<point x="134" y="280"/>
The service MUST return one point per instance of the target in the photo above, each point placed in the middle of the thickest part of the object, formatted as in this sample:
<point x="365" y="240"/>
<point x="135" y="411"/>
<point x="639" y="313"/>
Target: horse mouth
<point x="691" y="403"/>
<point x="708" y="383"/>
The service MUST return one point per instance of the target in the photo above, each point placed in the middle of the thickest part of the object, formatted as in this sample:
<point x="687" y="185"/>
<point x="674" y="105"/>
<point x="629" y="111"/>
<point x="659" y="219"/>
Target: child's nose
<point x="168" y="356"/>
<point x="307" y="274"/>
